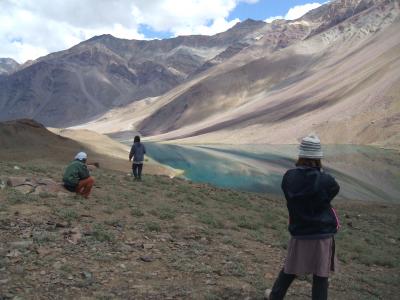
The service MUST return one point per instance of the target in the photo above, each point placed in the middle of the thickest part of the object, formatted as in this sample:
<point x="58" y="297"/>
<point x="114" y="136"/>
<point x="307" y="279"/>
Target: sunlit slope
<point x="341" y="81"/>
<point x="26" y="141"/>
<point x="344" y="87"/>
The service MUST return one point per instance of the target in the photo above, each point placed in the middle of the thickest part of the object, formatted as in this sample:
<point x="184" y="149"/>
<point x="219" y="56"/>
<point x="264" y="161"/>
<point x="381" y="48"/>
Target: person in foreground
<point x="137" y="153"/>
<point x="77" y="177"/>
<point x="312" y="222"/>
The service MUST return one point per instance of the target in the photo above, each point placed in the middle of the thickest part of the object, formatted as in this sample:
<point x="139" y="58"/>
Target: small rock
<point x="87" y="275"/>
<point x="14" y="253"/>
<point x="25" y="189"/>
<point x="122" y="266"/>
<point x="16" y="181"/>
<point x="57" y="265"/>
<point x="17" y="168"/>
<point x="43" y="272"/>
<point x="147" y="258"/>
<point x="70" y="277"/>
<point x="148" y="246"/>
<point x="164" y="237"/>
<point x="209" y="282"/>
<point x="61" y="224"/>
<point x="73" y="236"/>
<point x="125" y="248"/>
<point x="4" y="281"/>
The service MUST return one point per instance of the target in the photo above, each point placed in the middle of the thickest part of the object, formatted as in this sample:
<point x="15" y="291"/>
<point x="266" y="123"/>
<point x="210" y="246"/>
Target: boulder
<point x="37" y="186"/>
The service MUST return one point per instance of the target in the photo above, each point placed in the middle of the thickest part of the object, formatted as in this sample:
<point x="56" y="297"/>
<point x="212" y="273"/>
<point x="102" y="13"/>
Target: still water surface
<point x="364" y="173"/>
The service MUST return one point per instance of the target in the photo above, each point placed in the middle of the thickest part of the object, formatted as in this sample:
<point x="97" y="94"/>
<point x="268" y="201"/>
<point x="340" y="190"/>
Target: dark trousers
<point x="282" y="283"/>
<point x="137" y="170"/>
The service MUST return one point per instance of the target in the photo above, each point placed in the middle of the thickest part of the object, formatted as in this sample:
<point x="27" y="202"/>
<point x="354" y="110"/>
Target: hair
<point x="136" y="139"/>
<point x="309" y="162"/>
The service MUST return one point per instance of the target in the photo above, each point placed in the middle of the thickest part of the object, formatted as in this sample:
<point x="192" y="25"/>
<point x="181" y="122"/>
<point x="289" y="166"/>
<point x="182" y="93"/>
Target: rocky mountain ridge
<point x="8" y="65"/>
<point x="341" y="83"/>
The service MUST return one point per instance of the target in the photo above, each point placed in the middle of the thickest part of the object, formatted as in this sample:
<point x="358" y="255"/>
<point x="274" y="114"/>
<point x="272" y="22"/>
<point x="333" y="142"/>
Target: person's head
<point x="310" y="152"/>
<point x="81" y="156"/>
<point x="136" y="139"/>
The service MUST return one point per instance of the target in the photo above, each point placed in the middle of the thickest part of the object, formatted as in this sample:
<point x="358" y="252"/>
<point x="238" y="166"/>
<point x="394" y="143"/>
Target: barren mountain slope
<point x="27" y="141"/>
<point x="342" y="83"/>
<point x="74" y="85"/>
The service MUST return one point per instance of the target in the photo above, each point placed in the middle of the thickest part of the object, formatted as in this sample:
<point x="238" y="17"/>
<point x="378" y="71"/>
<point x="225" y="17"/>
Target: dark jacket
<point x="137" y="152"/>
<point x="74" y="172"/>
<point x="309" y="192"/>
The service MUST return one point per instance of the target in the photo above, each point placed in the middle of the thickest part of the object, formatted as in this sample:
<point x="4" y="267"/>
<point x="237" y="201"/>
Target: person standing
<point x="312" y="222"/>
<point x="137" y="153"/>
<point x="76" y="176"/>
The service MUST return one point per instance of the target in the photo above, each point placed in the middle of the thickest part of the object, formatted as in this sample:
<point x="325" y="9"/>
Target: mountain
<point x="7" y="66"/>
<point x="338" y="75"/>
<point x="335" y="71"/>
<point x="71" y="86"/>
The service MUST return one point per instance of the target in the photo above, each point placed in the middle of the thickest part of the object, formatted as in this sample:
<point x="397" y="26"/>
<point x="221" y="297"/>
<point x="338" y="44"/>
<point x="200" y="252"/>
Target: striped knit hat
<point x="310" y="147"/>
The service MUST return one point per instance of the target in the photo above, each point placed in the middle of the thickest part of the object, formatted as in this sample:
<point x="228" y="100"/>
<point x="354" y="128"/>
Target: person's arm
<point x="132" y="152"/>
<point x="83" y="172"/>
<point x="333" y="188"/>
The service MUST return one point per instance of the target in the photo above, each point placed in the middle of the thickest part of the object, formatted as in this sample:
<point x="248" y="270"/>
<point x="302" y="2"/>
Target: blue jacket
<point x="309" y="192"/>
<point x="137" y="152"/>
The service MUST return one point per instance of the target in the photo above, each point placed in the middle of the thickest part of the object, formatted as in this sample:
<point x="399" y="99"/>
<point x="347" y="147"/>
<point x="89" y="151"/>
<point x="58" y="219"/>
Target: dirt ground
<point x="165" y="238"/>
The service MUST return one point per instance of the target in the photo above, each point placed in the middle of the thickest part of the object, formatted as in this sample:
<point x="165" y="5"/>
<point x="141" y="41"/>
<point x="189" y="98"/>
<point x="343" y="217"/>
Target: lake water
<point x="364" y="173"/>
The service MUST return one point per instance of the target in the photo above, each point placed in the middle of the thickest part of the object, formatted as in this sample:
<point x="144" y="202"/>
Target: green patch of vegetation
<point x="43" y="237"/>
<point x="210" y="220"/>
<point x="101" y="234"/>
<point x="153" y="226"/>
<point x="68" y="214"/>
<point x="235" y="268"/>
<point x="248" y="223"/>
<point x="228" y="240"/>
<point x="164" y="213"/>
<point x="114" y="222"/>
<point x="137" y="212"/>
<point x="45" y="195"/>
<point x="16" y="197"/>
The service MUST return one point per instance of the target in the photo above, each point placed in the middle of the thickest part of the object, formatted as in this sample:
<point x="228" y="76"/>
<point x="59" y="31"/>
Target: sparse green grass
<point x="101" y="234"/>
<point x="164" y="212"/>
<point x="153" y="226"/>
<point x="45" y="195"/>
<point x="44" y="237"/>
<point x="248" y="223"/>
<point x="210" y="220"/>
<point x="137" y="212"/>
<point x="68" y="214"/>
<point x="15" y="197"/>
<point x="217" y="236"/>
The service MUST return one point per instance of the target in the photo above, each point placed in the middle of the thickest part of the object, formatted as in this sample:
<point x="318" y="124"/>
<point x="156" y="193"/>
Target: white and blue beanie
<point x="310" y="147"/>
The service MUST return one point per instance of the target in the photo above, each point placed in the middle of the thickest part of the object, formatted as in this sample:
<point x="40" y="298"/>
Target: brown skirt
<point x="311" y="257"/>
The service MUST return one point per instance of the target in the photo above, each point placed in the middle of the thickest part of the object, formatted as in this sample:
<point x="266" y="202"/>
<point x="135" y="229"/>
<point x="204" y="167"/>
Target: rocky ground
<point x="165" y="238"/>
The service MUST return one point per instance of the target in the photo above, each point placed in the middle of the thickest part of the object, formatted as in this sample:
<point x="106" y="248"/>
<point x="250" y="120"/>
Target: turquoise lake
<point x="364" y="173"/>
